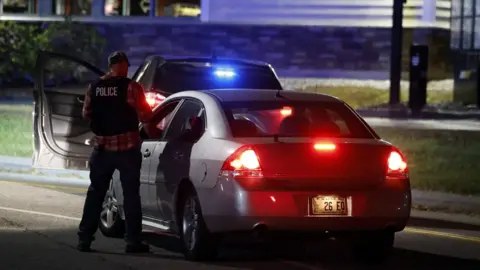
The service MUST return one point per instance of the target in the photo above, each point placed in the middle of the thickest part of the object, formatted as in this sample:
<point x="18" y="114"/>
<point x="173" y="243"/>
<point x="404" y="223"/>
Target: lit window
<point x="139" y="7"/>
<point x="72" y="7"/>
<point x="81" y="7"/>
<point x="170" y="8"/>
<point x="467" y="33"/>
<point x="455" y="31"/>
<point x="477" y="33"/>
<point x="113" y="7"/>
<point x="178" y="8"/>
<point x="18" y="6"/>
<point x="468" y="7"/>
<point x="127" y="7"/>
<point x="456" y="9"/>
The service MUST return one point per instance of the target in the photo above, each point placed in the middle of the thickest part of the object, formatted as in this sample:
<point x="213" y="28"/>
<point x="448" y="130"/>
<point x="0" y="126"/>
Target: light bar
<point x="224" y="73"/>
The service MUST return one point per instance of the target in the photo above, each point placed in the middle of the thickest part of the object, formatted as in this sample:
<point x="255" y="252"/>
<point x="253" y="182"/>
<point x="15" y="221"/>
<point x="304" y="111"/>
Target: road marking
<point x="38" y="213"/>
<point x="411" y="230"/>
<point x="45" y="185"/>
<point x="443" y="234"/>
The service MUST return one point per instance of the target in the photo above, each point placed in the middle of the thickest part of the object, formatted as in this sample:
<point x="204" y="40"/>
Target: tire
<point x="199" y="244"/>
<point x="374" y="247"/>
<point x="111" y="223"/>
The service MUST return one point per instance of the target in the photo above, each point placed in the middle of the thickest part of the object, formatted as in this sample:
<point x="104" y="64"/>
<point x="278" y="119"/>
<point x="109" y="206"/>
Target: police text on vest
<point x="106" y="91"/>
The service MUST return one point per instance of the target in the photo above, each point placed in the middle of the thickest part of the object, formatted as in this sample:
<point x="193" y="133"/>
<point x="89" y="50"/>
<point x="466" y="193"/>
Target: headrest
<point x="243" y="127"/>
<point x="294" y="126"/>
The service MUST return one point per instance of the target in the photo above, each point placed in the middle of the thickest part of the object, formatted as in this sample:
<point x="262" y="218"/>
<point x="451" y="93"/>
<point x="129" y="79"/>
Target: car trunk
<point x="297" y="165"/>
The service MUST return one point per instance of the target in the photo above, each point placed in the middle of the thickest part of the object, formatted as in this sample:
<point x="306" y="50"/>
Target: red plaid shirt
<point x="128" y="140"/>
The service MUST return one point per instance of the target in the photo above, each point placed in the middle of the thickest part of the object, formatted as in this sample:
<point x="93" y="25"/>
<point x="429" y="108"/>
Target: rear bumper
<point x="230" y="208"/>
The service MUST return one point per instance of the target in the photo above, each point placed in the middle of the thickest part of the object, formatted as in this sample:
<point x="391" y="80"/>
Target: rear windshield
<point x="294" y="119"/>
<point x="179" y="76"/>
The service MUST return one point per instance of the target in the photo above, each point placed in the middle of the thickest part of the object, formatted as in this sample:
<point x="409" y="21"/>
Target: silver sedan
<point x="275" y="165"/>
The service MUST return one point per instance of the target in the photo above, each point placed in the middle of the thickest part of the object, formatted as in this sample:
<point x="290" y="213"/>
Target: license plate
<point x="328" y="205"/>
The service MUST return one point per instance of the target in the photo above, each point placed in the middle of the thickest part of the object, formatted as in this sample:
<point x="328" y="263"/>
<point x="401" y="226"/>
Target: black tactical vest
<point x="111" y="113"/>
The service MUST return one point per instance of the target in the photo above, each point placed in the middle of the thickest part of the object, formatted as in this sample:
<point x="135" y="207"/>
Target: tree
<point x="20" y="43"/>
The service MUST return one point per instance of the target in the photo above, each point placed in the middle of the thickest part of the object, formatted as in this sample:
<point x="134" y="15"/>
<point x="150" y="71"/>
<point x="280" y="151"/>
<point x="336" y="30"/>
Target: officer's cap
<point x="117" y="57"/>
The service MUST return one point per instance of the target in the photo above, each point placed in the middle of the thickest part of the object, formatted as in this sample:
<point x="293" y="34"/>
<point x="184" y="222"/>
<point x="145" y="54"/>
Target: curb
<point x="40" y="179"/>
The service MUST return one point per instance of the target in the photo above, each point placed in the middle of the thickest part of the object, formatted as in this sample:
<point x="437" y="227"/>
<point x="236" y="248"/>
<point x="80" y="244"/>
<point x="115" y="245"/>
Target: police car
<point x="162" y="76"/>
<point x="61" y="82"/>
<point x="284" y="167"/>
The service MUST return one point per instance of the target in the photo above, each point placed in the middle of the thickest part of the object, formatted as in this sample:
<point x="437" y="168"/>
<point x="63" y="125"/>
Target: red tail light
<point x="154" y="99"/>
<point x="396" y="165"/>
<point x="244" y="166"/>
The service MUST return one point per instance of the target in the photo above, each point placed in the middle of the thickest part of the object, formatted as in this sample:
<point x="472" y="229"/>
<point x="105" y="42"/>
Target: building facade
<point x="465" y="44"/>
<point x="354" y="36"/>
<point x="366" y="13"/>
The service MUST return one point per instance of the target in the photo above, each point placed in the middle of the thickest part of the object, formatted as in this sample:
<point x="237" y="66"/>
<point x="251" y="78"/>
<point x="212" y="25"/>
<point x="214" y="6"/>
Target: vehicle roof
<point x="228" y="95"/>
<point x="173" y="58"/>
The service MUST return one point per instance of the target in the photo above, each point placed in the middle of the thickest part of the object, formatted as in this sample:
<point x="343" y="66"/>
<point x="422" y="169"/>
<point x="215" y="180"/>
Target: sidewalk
<point x="450" y="207"/>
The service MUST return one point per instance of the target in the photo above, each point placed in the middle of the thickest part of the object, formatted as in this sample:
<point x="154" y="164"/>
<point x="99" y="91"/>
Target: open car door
<point x="61" y="135"/>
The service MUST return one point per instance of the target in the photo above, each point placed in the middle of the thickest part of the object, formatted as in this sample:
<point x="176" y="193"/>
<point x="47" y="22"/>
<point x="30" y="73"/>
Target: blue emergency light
<point x="224" y="73"/>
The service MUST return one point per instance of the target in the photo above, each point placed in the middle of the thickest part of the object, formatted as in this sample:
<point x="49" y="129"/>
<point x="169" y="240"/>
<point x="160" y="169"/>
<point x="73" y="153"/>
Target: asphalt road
<point x="38" y="224"/>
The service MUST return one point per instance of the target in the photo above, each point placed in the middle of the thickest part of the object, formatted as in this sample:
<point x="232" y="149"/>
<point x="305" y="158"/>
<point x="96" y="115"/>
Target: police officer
<point x="115" y="105"/>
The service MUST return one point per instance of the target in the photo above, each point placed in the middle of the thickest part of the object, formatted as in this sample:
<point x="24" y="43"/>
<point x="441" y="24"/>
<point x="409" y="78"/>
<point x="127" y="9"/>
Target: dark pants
<point x="103" y="163"/>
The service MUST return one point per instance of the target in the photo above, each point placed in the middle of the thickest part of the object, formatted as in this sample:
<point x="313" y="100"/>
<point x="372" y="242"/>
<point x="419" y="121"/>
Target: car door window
<point x="155" y="129"/>
<point x="61" y="85"/>
<point x="189" y="112"/>
<point x="143" y="77"/>
<point x="140" y="71"/>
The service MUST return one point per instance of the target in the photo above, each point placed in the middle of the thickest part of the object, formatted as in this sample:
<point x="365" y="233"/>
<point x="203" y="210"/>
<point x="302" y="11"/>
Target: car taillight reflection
<point x="154" y="99"/>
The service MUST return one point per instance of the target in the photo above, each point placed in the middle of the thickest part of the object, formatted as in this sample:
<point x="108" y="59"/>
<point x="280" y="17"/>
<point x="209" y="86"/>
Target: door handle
<point x="147" y="153"/>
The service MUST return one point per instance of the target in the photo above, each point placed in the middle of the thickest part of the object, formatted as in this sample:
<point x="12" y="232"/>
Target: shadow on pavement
<point x="441" y="224"/>
<point x="51" y="248"/>
<point x="325" y="255"/>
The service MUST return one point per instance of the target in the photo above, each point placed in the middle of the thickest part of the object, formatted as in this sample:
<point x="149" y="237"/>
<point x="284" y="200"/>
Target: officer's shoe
<point x="137" y="248"/>
<point x="84" y="246"/>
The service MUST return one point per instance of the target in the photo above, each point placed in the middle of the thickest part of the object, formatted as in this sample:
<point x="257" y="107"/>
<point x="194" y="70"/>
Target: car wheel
<point x="374" y="246"/>
<point x="111" y="222"/>
<point x="197" y="242"/>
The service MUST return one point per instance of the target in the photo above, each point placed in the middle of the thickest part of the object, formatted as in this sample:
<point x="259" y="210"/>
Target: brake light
<point x="396" y="165"/>
<point x="324" y="147"/>
<point x="154" y="99"/>
<point x="243" y="163"/>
